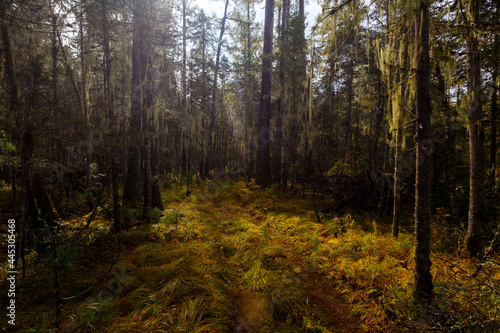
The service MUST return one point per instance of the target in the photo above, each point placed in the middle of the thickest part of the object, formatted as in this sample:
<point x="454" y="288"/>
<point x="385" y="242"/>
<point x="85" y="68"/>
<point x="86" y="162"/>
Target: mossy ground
<point x="226" y="257"/>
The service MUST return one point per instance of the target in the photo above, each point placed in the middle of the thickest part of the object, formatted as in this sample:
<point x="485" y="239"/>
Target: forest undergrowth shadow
<point x="226" y="257"/>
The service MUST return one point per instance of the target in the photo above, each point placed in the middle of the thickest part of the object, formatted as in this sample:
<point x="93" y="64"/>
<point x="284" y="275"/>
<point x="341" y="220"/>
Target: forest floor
<point x="225" y="257"/>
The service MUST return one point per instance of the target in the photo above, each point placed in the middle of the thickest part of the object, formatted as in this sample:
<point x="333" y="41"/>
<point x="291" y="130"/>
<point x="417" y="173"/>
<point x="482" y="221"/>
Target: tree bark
<point x="156" y="200"/>
<point x="397" y="186"/>
<point x="146" y="158"/>
<point x="132" y="187"/>
<point x="494" y="112"/>
<point x="185" y="118"/>
<point x="278" y="146"/>
<point x="423" y="287"/>
<point x="263" y="171"/>
<point x="474" y="241"/>
<point x="110" y="103"/>
<point x="209" y="161"/>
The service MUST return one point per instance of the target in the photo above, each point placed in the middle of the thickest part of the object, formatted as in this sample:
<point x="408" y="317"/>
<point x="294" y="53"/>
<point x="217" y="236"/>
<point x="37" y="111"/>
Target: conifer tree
<point x="263" y="171"/>
<point x="423" y="287"/>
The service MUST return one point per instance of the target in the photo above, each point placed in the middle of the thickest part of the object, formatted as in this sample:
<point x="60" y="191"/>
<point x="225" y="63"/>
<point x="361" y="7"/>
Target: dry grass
<point x="228" y="257"/>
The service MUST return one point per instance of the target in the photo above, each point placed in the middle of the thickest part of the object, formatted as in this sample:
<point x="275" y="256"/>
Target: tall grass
<point x="227" y="257"/>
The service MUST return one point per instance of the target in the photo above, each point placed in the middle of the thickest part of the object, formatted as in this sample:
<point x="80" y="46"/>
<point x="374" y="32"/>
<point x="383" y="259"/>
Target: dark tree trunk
<point x="146" y="167"/>
<point x="350" y="96"/>
<point x="147" y="130"/>
<point x="379" y="111"/>
<point x="423" y="287"/>
<point x="132" y="187"/>
<point x="397" y="186"/>
<point x="399" y="136"/>
<point x="209" y="161"/>
<point x="263" y="176"/>
<point x="278" y="146"/>
<point x="111" y="116"/>
<point x="25" y="153"/>
<point x="46" y="208"/>
<point x="9" y="62"/>
<point x="449" y="148"/>
<point x="494" y="125"/>
<point x="156" y="200"/>
<point x="184" y="141"/>
<point x="474" y="241"/>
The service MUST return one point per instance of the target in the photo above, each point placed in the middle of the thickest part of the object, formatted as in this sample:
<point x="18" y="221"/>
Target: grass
<point x="228" y="257"/>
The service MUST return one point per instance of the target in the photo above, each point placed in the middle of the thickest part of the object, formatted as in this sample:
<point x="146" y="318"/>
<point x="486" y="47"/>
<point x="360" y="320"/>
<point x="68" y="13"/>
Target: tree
<point x="245" y="52"/>
<point x="110" y="104"/>
<point x="184" y="142"/>
<point x="132" y="187"/>
<point x="263" y="172"/>
<point x="214" y="90"/>
<point x="474" y="241"/>
<point x="278" y="145"/>
<point x="423" y="287"/>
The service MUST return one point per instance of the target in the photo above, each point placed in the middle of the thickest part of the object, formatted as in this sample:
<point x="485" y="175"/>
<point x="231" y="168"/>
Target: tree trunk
<point x="494" y="112"/>
<point x="208" y="163"/>
<point x="9" y="62"/>
<point x="278" y="146"/>
<point x="156" y="200"/>
<point x="263" y="176"/>
<point x="423" y="287"/>
<point x="474" y="241"/>
<point x="83" y="77"/>
<point x="185" y="118"/>
<point x="147" y="54"/>
<point x="146" y="167"/>
<point x="397" y="186"/>
<point x="350" y="96"/>
<point x="132" y="187"/>
<point x="110" y="103"/>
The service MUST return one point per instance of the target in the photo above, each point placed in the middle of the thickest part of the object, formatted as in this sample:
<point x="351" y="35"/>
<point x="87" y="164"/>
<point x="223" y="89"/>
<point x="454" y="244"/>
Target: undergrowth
<point x="226" y="257"/>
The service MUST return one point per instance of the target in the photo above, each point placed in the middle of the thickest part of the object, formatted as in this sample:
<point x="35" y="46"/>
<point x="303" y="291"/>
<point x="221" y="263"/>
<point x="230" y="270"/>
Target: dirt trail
<point x="319" y="293"/>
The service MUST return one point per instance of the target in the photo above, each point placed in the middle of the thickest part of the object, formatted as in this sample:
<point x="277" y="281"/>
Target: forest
<point x="168" y="169"/>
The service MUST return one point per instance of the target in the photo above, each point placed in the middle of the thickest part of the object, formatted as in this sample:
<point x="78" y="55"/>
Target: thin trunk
<point x="66" y="63"/>
<point x="185" y="119"/>
<point x="263" y="176"/>
<point x="83" y="101"/>
<point x="379" y="110"/>
<point x="397" y="186"/>
<point x="111" y="116"/>
<point x="474" y="241"/>
<point x="148" y="105"/>
<point x="449" y="149"/>
<point x="54" y="62"/>
<point x="131" y="191"/>
<point x="9" y="63"/>
<point x="156" y="200"/>
<point x="57" y="293"/>
<point x="249" y="100"/>
<point x="494" y="125"/>
<point x="146" y="160"/>
<point x="350" y="96"/>
<point x="423" y="287"/>
<point x="204" y="171"/>
<point x="208" y="163"/>
<point x="278" y="147"/>
<point x="402" y="91"/>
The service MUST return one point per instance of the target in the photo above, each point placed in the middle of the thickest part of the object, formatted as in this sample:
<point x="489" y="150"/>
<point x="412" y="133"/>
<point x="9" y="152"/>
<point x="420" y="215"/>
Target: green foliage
<point x="215" y="265"/>
<point x="256" y="278"/>
<point x="66" y="257"/>
<point x="172" y="218"/>
<point x="340" y="168"/>
<point x="7" y="150"/>
<point x="96" y="309"/>
<point x="153" y="215"/>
